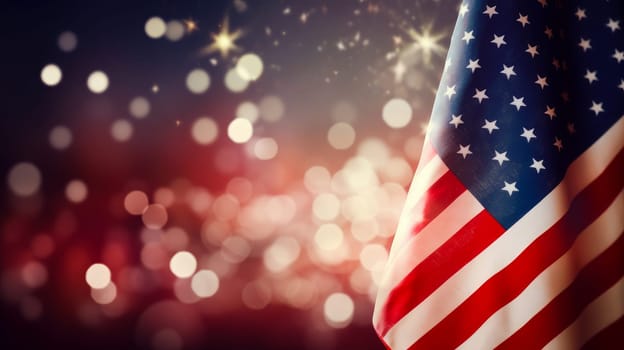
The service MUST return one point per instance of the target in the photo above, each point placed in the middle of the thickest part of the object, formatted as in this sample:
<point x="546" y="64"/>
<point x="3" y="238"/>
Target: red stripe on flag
<point x="442" y="193"/>
<point x="593" y="280"/>
<point x="608" y="338"/>
<point x="508" y="283"/>
<point x="431" y="273"/>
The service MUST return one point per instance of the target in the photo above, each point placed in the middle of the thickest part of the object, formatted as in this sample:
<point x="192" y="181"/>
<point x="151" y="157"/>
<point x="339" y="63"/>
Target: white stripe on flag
<point x="595" y="239"/>
<point x="499" y="254"/>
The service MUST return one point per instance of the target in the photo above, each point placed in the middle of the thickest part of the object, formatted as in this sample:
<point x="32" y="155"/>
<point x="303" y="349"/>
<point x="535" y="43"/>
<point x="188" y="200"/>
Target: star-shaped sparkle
<point x="224" y="41"/>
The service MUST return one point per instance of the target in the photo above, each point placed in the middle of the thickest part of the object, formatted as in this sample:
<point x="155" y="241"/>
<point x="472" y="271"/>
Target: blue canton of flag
<point x="527" y="89"/>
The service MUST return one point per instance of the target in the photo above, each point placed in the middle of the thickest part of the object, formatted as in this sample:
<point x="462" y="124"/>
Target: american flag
<point x="512" y="233"/>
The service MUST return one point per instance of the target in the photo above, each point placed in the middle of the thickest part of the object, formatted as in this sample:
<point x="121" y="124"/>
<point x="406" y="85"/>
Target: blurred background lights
<point x="155" y="27"/>
<point x="265" y="148"/>
<point x="341" y="135"/>
<point x="205" y="283"/>
<point x="121" y="130"/>
<point x="248" y="110"/>
<point x="328" y="236"/>
<point x="256" y="294"/>
<point x="155" y="216"/>
<point x="60" y="137"/>
<point x="97" y="82"/>
<point x="198" y="81"/>
<point x="373" y="257"/>
<point x="183" y="264"/>
<point x="67" y="41"/>
<point x="24" y="179"/>
<point x="204" y="130"/>
<point x="326" y="206"/>
<point x="136" y="202"/>
<point x="76" y="191"/>
<point x="397" y="113"/>
<point x="317" y="179"/>
<point x="51" y="74"/>
<point x="105" y="295"/>
<point x="175" y="30"/>
<point x="281" y="254"/>
<point x="234" y="82"/>
<point x="249" y="67"/>
<point x="240" y="130"/>
<point x="98" y="276"/>
<point x="271" y="108"/>
<point x="139" y="107"/>
<point x="34" y="274"/>
<point x="338" y="310"/>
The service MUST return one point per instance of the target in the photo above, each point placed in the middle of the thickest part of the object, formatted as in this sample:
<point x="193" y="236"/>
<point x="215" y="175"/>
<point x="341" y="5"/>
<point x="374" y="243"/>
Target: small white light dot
<point x="198" y="81"/>
<point x="97" y="82"/>
<point x="183" y="264"/>
<point x="155" y="27"/>
<point x="51" y="74"/>
<point x="240" y="130"/>
<point x="98" y="276"/>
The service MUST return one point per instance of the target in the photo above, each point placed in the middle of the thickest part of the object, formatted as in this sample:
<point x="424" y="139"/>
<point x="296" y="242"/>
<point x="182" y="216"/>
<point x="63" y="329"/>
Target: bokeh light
<point x="98" y="276"/>
<point x="121" y="130"/>
<point x="24" y="179"/>
<point x="183" y="264"/>
<point x="265" y="148"/>
<point x="60" y="137"/>
<point x="76" y="191"/>
<point x="205" y="283"/>
<point x="97" y="82"/>
<point x="397" y="113"/>
<point x="271" y="108"/>
<point x="341" y="136"/>
<point x="139" y="107"/>
<point x="175" y="30"/>
<point x="326" y="206"/>
<point x="136" y="202"/>
<point x="198" y="81"/>
<point x="249" y="67"/>
<point x="338" y="310"/>
<point x="240" y="130"/>
<point x="155" y="27"/>
<point x="105" y="295"/>
<point x="155" y="216"/>
<point x="248" y="110"/>
<point x="67" y="41"/>
<point x="204" y="130"/>
<point x="51" y="74"/>
<point x="234" y="82"/>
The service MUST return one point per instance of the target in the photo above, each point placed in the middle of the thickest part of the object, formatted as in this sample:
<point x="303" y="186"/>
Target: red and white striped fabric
<point x="455" y="278"/>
